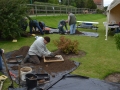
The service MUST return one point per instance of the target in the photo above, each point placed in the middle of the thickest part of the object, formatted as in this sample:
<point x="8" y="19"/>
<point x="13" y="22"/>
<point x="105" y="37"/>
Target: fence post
<point x="46" y="10"/>
<point x="36" y="10"/>
<point x="59" y="10"/>
<point x="53" y="10"/>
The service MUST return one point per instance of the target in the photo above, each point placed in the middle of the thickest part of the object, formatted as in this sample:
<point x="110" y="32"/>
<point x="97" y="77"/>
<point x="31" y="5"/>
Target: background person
<point x="72" y="22"/>
<point x="35" y="24"/>
<point x="61" y="25"/>
<point x="37" y="50"/>
<point x="42" y="25"/>
<point x="1" y="51"/>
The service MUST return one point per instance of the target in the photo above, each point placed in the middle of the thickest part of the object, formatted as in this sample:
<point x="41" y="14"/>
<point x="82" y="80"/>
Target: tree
<point x="11" y="12"/>
<point x="53" y="1"/>
<point x="105" y="8"/>
<point x="90" y="4"/>
<point x="64" y="2"/>
<point x="80" y="3"/>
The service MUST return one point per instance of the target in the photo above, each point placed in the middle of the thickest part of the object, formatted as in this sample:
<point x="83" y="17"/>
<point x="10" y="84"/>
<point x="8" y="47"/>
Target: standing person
<point x="1" y="51"/>
<point x="35" y="24"/>
<point x="72" y="22"/>
<point x="61" y="25"/>
<point x="38" y="50"/>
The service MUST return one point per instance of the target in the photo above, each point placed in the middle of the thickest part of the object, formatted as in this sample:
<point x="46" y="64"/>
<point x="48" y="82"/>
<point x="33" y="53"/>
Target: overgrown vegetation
<point x="75" y="3"/>
<point x="100" y="11"/>
<point x="11" y="12"/>
<point x="67" y="45"/>
<point x="117" y="40"/>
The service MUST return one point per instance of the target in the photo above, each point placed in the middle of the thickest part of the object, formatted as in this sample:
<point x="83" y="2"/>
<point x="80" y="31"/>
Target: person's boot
<point x="25" y="60"/>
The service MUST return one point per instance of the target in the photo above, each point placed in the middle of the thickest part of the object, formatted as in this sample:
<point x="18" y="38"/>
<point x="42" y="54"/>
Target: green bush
<point x="11" y="12"/>
<point x="66" y="45"/>
<point x="117" y="40"/>
<point x="100" y="11"/>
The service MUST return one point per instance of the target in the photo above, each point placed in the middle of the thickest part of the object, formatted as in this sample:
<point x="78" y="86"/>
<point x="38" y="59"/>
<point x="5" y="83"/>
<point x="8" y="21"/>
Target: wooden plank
<point x="60" y="58"/>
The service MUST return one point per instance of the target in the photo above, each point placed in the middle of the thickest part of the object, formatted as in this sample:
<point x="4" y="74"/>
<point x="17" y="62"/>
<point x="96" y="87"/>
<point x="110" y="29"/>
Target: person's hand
<point x="52" y="54"/>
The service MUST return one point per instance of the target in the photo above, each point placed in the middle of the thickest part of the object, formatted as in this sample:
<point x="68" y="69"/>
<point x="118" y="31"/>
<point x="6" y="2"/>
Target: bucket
<point x="31" y="80"/>
<point x="24" y="71"/>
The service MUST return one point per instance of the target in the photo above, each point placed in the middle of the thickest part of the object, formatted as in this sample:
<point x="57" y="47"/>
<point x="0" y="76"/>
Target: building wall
<point x="99" y="4"/>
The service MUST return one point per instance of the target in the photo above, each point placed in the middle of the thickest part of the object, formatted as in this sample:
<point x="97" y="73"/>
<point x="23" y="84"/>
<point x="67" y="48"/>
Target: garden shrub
<point x="100" y="11"/>
<point x="11" y="12"/>
<point x="111" y="32"/>
<point x="67" y="45"/>
<point x="117" y="40"/>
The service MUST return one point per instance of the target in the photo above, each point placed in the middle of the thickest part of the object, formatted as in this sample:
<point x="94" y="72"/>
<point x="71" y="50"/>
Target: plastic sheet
<point x="76" y="82"/>
<point x="91" y="34"/>
<point x="65" y="81"/>
<point x="53" y="80"/>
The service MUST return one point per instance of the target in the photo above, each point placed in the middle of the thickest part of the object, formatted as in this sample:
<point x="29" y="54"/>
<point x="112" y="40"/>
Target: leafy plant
<point x="11" y="12"/>
<point x="66" y="45"/>
<point x="117" y="40"/>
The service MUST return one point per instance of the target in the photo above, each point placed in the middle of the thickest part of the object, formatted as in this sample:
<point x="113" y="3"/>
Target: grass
<point x="102" y="56"/>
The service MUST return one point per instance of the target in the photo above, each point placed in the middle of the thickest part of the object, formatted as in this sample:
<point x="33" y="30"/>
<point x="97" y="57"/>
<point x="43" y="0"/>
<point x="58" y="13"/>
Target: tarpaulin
<point x="77" y="82"/>
<point x="53" y="80"/>
<point x="66" y="81"/>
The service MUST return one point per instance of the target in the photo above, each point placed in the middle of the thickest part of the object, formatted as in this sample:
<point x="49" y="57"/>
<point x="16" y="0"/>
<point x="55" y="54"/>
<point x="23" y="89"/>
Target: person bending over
<point x="42" y="25"/>
<point x="35" y="24"/>
<point x="61" y="26"/>
<point x="38" y="50"/>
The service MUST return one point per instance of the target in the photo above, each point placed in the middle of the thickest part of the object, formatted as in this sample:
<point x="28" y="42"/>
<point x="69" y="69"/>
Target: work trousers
<point x="61" y="30"/>
<point x="72" y="28"/>
<point x="36" y="25"/>
<point x="0" y="63"/>
<point x="32" y="59"/>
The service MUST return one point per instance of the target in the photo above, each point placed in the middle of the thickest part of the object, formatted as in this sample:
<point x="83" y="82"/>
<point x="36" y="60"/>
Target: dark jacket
<point x="72" y="19"/>
<point x="63" y="23"/>
<point x="42" y="24"/>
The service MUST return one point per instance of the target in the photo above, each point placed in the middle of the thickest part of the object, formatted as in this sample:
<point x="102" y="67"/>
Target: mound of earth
<point x="114" y="77"/>
<point x="50" y="67"/>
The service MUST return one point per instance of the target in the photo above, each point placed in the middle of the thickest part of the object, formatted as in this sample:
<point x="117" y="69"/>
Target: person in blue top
<point x="1" y="51"/>
<point x="35" y="24"/>
<point x="61" y="25"/>
<point x="42" y="25"/>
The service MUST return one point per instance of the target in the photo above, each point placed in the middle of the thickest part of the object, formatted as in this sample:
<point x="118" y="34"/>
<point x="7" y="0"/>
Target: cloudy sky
<point x="107" y="2"/>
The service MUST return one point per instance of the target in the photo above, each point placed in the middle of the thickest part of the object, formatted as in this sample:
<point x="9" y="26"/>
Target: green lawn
<point x="102" y="56"/>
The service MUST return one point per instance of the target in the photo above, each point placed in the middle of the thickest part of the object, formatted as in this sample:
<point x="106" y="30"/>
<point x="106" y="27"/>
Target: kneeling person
<point x="37" y="50"/>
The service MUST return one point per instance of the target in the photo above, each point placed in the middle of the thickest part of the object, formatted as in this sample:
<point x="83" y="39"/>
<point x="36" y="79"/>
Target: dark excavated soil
<point x="50" y="67"/>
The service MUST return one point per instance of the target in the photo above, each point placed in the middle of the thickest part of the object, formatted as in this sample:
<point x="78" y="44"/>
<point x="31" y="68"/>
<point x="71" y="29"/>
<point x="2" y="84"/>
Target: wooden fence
<point x="48" y="10"/>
